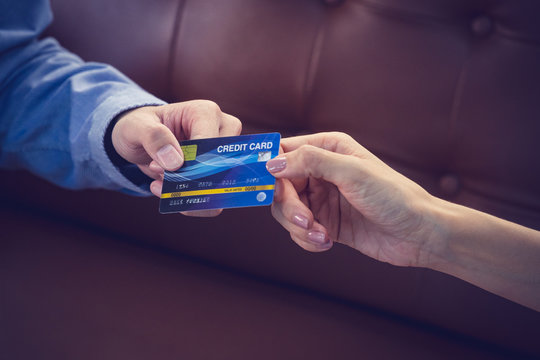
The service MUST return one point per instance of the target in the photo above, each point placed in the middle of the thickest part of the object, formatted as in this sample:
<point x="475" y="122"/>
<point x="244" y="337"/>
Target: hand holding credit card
<point x="220" y="173"/>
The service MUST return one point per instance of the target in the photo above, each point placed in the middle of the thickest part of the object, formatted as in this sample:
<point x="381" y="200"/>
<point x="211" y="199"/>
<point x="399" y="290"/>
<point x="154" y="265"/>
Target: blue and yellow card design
<point x="221" y="173"/>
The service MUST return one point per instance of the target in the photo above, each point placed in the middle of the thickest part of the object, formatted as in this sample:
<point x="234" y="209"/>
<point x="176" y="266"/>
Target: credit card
<point x="221" y="173"/>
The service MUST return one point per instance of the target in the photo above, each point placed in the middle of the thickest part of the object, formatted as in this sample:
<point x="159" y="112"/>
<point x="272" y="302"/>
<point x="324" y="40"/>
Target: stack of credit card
<point x="220" y="173"/>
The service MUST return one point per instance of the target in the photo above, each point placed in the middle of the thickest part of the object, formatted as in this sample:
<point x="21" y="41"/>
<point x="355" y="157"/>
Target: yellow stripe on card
<point x="216" y="191"/>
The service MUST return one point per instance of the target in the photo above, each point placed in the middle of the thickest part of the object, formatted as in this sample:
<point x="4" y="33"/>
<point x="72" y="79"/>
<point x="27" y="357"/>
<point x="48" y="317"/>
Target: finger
<point x="203" y="119"/>
<point x="299" y="184"/>
<point x="297" y="219"/>
<point x="281" y="192"/>
<point x="156" y="169"/>
<point x="230" y="126"/>
<point x="155" y="187"/>
<point x="314" y="239"/>
<point x="337" y="142"/>
<point x="202" y="213"/>
<point x="309" y="161"/>
<point x="326" y="140"/>
<point x="152" y="170"/>
<point x="307" y="241"/>
<point x="144" y="130"/>
<point x="288" y="210"/>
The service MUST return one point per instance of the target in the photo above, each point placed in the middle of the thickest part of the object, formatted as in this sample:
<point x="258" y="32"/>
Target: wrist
<point x="454" y="239"/>
<point x="126" y="168"/>
<point x="491" y="253"/>
<point x="441" y="219"/>
<point x="115" y="158"/>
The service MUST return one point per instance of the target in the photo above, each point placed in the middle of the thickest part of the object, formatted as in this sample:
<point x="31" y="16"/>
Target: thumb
<point x="165" y="150"/>
<point x="310" y="161"/>
<point x="136" y="139"/>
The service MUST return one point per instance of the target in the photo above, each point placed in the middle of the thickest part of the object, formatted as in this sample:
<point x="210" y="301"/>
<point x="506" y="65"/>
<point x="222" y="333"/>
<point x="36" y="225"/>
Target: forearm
<point x="494" y="254"/>
<point x="55" y="111"/>
<point x="55" y="107"/>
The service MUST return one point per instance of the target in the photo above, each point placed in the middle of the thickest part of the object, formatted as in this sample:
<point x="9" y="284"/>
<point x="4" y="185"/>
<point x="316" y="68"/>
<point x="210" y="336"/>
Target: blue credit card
<point x="221" y="173"/>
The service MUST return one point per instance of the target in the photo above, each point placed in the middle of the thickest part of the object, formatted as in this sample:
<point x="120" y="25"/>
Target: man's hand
<point x="149" y="136"/>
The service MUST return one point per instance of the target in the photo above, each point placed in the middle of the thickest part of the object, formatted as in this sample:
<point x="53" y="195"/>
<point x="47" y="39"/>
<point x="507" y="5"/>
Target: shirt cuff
<point x="107" y="111"/>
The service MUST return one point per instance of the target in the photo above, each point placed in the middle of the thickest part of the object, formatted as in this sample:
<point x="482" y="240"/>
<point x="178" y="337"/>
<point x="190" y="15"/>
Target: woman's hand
<point x="331" y="189"/>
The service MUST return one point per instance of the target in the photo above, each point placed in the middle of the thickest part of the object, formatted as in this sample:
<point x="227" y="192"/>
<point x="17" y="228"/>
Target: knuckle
<point x="237" y="124"/>
<point x="339" y="136"/>
<point x="210" y="105"/>
<point x="311" y="158"/>
<point x="306" y="150"/>
<point x="308" y="154"/>
<point x="342" y="136"/>
<point x="156" y="132"/>
<point x="340" y="142"/>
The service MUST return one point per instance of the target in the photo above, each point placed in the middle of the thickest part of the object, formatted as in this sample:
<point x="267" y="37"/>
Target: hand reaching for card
<point x="331" y="189"/>
<point x="149" y="136"/>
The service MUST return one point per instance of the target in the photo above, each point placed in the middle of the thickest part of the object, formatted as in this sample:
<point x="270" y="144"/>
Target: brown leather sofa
<point x="446" y="91"/>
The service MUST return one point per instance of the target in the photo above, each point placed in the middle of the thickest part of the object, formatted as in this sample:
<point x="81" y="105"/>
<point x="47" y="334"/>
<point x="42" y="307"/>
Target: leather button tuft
<point x="449" y="184"/>
<point x="482" y="25"/>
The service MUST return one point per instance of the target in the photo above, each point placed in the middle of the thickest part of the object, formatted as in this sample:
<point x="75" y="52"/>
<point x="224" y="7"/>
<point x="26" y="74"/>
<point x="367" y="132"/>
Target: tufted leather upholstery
<point x="445" y="91"/>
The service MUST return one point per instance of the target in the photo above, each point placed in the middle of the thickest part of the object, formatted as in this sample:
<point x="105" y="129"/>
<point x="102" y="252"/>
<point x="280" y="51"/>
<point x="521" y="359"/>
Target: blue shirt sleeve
<point x="54" y="107"/>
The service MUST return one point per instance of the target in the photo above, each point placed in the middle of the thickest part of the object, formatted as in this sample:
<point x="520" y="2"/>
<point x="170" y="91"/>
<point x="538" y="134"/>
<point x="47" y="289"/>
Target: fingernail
<point x="169" y="157"/>
<point x="301" y="221"/>
<point x="317" y="237"/>
<point x="276" y="165"/>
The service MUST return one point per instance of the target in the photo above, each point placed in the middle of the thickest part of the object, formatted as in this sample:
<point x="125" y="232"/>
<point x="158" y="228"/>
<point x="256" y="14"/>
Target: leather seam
<point x="311" y="72"/>
<point x="173" y="47"/>
<point x="405" y="15"/>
